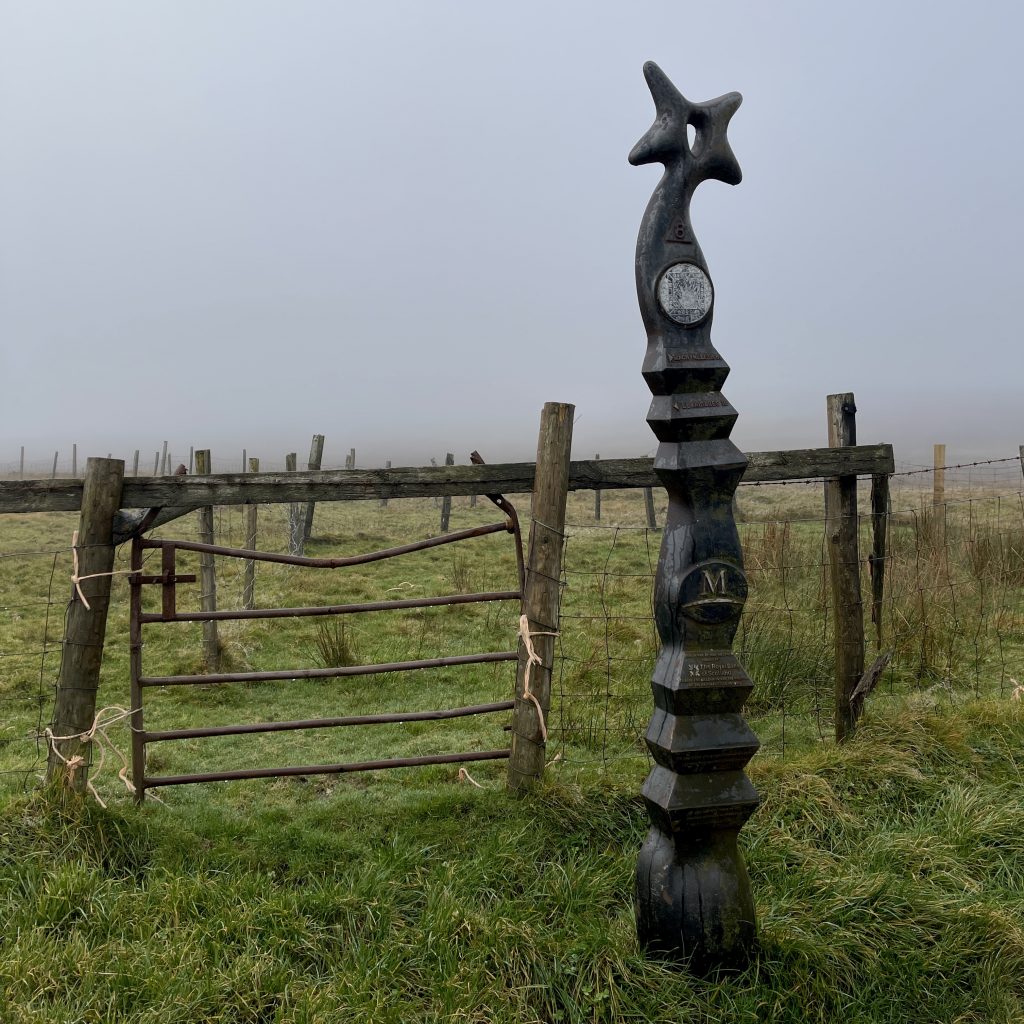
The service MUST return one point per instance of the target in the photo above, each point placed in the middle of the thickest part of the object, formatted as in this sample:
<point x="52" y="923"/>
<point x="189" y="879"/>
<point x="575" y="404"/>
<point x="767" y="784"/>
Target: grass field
<point x="888" y="874"/>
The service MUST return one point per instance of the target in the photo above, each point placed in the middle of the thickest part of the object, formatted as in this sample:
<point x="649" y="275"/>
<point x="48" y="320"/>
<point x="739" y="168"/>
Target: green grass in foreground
<point x="888" y="874"/>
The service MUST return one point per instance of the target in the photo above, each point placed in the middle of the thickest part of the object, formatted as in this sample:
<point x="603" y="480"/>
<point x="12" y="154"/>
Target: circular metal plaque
<point x="685" y="293"/>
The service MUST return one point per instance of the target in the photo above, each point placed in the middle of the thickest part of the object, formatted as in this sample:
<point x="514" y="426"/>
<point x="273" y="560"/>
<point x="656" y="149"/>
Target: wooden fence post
<point x="879" y="529"/>
<point x="207" y="573"/>
<point x="939" y="475"/>
<point x="191" y="456"/>
<point x="135" y="463"/>
<point x="316" y="458"/>
<point x="652" y="521"/>
<point x="53" y="474"/>
<point x="74" y="709"/>
<point x="597" y="498"/>
<point x="541" y="596"/>
<point x="384" y="501"/>
<point x="296" y="512"/>
<point x="446" y="501"/>
<point x="156" y="463"/>
<point x="163" y="460"/>
<point x="74" y="462"/>
<point x="249" y="571"/>
<point x="21" y="463"/>
<point x="844" y="564"/>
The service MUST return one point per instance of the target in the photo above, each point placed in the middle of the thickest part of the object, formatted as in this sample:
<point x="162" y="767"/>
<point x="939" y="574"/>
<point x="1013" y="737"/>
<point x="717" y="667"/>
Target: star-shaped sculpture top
<point x="665" y="141"/>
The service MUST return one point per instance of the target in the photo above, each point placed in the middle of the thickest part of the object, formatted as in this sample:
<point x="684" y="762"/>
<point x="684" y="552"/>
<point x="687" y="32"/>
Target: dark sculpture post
<point x="694" y="903"/>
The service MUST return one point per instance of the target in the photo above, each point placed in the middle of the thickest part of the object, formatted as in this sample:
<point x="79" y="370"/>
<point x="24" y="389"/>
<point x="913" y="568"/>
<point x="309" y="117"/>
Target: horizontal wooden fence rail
<point x="185" y="493"/>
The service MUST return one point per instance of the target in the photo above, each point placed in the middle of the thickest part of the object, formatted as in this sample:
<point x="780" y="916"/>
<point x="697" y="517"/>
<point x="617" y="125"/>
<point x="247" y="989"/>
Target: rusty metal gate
<point x="168" y="579"/>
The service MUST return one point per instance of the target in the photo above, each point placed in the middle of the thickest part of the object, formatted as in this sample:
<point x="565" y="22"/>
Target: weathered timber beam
<point x="184" y="492"/>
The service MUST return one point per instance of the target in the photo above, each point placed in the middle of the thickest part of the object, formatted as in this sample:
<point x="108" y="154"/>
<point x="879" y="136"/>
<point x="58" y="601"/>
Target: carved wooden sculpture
<point x="694" y="903"/>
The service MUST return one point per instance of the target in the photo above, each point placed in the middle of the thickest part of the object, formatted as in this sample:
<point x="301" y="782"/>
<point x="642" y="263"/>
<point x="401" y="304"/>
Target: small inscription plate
<point x="717" y="670"/>
<point x="685" y="293"/>
<point x="713" y="592"/>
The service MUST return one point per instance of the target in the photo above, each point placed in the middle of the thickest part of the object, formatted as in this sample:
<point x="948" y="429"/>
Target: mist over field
<point x="407" y="227"/>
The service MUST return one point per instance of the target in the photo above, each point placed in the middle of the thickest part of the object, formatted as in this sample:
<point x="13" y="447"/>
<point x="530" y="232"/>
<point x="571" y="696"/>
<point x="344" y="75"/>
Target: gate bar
<point x="326" y="723"/>
<point x="335" y="563"/>
<point x="323" y="769"/>
<point x="328" y="673"/>
<point x="335" y="609"/>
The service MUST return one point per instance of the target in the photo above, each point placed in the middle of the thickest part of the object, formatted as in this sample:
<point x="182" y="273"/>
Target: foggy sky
<point x="407" y="225"/>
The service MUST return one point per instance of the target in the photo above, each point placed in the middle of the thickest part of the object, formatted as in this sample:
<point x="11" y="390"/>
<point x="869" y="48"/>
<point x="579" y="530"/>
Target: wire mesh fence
<point x="952" y="615"/>
<point x="34" y="593"/>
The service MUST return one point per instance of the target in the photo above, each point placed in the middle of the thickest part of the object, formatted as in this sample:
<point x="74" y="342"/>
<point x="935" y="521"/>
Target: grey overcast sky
<point x="408" y="225"/>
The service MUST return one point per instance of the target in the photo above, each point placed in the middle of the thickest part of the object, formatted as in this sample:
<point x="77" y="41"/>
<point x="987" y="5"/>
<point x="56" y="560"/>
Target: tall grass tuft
<point x="331" y="646"/>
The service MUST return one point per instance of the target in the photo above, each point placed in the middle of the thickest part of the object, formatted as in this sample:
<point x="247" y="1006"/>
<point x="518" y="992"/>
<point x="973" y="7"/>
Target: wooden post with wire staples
<point x="541" y="597"/>
<point x="446" y="501"/>
<point x="844" y="566"/>
<point x="207" y="573"/>
<point x="939" y="475"/>
<point x="879" y="531"/>
<point x="74" y="709"/>
<point x="249" y="571"/>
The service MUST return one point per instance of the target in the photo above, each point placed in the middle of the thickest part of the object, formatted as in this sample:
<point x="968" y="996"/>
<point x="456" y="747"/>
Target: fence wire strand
<point x="952" y="609"/>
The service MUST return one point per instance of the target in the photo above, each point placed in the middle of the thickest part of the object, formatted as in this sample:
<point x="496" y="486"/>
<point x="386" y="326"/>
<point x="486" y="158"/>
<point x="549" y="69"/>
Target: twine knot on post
<point x="76" y="580"/>
<point x="533" y="658"/>
<point x="96" y="732"/>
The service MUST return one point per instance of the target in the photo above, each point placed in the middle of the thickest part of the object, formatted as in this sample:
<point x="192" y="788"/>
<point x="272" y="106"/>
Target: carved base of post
<point x="694" y="903"/>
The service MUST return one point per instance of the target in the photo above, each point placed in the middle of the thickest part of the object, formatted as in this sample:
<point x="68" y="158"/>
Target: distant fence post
<point x="191" y="457"/>
<point x="384" y="501"/>
<point x="844" y="565"/>
<point x="316" y="458"/>
<point x="296" y="511"/>
<point x="53" y="474"/>
<point x="207" y="573"/>
<point x="74" y="462"/>
<point x="652" y="521"/>
<point x="135" y="463"/>
<point x="541" y="596"/>
<point x="156" y="463"/>
<point x="446" y="501"/>
<point x="249" y="571"/>
<point x="879" y="529"/>
<point x="74" y="709"/>
<point x="21" y="463"/>
<point x="163" y="460"/>
<point x="939" y="475"/>
<point x="597" y="498"/>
